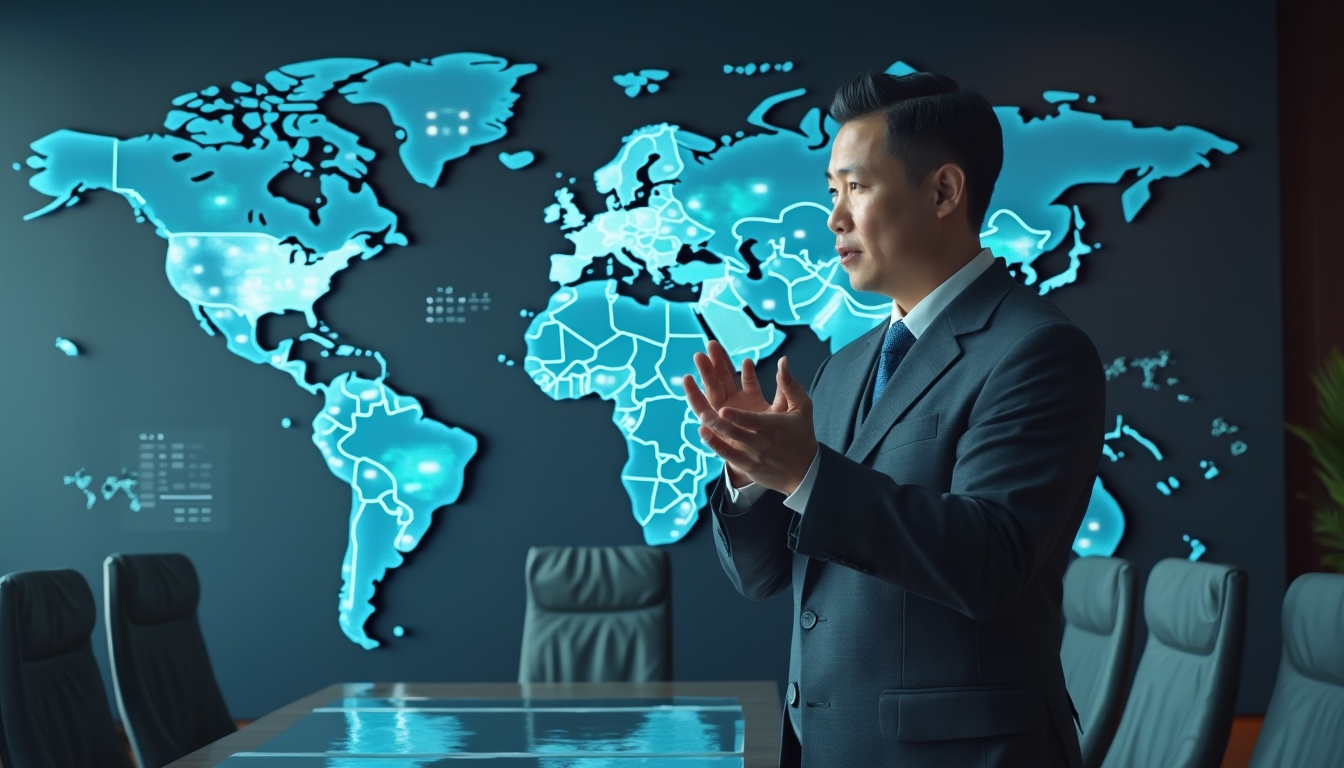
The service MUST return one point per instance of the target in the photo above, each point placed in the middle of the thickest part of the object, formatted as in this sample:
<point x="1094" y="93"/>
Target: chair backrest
<point x="1100" y="603"/>
<point x="1305" y="722"/>
<point x="597" y="614"/>
<point x="166" y="690"/>
<point x="1179" y="712"/>
<point x="53" y="706"/>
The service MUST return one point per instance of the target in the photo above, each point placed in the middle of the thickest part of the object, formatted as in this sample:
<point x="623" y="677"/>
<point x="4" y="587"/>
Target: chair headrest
<point x="54" y="611"/>
<point x="1092" y="592"/>
<point x="156" y="588"/>
<point x="1184" y="603"/>
<point x="597" y="578"/>
<point x="1313" y="626"/>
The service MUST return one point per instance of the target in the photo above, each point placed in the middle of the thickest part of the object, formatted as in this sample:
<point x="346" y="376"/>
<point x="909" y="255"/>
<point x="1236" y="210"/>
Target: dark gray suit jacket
<point x="927" y="571"/>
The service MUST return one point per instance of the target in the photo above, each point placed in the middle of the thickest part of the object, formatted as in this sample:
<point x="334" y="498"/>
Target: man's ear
<point x="949" y="187"/>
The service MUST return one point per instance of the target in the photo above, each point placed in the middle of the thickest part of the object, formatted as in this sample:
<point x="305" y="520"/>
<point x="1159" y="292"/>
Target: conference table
<point x="511" y="725"/>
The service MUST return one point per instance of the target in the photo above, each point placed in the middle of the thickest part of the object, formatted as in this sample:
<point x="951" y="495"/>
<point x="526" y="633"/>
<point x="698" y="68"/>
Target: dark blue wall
<point x="1197" y="273"/>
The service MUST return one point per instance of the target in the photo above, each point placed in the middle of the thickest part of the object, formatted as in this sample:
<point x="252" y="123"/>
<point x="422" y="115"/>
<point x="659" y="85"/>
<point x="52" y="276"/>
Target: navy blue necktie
<point x="898" y="341"/>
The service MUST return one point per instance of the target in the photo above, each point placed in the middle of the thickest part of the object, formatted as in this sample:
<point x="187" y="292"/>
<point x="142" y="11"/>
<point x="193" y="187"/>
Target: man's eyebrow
<point x="846" y="171"/>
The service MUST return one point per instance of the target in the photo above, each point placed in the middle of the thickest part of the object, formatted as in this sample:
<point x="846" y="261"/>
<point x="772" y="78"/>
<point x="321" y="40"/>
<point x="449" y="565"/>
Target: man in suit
<point x="921" y="496"/>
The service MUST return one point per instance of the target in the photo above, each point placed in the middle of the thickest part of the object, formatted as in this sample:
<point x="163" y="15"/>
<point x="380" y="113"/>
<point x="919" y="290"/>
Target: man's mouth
<point x="847" y="255"/>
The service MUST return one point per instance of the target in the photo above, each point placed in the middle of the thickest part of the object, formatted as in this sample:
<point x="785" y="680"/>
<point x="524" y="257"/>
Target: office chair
<point x="53" y="706"/>
<point x="1304" y="726"/>
<point x="597" y="614"/>
<point x="1180" y="707"/>
<point x="1100" y="603"/>
<point x="166" y="690"/>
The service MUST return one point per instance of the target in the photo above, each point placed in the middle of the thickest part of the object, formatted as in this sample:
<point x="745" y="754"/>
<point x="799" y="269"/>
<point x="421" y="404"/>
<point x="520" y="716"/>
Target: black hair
<point x="931" y="121"/>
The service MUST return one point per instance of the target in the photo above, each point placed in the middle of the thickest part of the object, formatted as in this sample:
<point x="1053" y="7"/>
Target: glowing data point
<point x="1197" y="548"/>
<point x="516" y="160"/>
<point x="643" y="82"/>
<point x="67" y="346"/>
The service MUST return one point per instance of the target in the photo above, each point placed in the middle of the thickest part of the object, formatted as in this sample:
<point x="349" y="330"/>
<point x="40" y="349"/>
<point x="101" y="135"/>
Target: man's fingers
<point x="710" y="377"/>
<point x="784" y="377"/>
<point x="694" y="397"/>
<point x="750" y="384"/>
<point x="719" y="355"/>
<point x="722" y="369"/>
<point x="790" y="386"/>
<point x="726" y="450"/>
<point x="723" y="366"/>
<point x="750" y="421"/>
<point x="726" y="428"/>
<point x="781" y="402"/>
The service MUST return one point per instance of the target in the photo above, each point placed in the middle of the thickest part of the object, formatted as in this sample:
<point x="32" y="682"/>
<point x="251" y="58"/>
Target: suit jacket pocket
<point x="911" y="431"/>
<point x="939" y="714"/>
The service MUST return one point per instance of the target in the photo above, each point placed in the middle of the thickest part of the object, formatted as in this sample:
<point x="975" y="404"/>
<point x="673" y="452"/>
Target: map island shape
<point x="742" y="221"/>
<point x="237" y="252"/>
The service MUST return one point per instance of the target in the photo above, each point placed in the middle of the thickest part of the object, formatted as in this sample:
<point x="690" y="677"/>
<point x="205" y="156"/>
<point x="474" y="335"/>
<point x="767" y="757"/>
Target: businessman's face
<point x="883" y="226"/>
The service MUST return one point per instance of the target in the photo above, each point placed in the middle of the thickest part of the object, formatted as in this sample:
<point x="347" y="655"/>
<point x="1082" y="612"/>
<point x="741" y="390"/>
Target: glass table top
<point x="674" y="732"/>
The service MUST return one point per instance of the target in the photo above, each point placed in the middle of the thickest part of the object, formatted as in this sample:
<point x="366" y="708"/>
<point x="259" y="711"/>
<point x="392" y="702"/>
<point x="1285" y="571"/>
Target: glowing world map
<point x="738" y="221"/>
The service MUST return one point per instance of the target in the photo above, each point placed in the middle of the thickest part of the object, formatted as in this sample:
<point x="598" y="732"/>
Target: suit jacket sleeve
<point x="753" y="544"/>
<point x="1030" y="450"/>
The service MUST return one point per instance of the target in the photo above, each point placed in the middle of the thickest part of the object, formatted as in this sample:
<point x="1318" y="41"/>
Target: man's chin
<point x="858" y="280"/>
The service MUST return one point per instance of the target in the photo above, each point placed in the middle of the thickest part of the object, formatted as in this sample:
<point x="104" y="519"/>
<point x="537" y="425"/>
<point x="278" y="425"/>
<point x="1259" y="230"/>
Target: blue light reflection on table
<point x="523" y="733"/>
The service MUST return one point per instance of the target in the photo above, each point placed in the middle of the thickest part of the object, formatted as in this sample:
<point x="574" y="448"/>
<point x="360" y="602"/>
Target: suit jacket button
<point x="809" y="619"/>
<point x="792" y="694"/>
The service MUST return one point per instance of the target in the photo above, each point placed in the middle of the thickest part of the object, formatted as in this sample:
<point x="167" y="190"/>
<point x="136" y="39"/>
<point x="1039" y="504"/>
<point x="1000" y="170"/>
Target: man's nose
<point x="838" y="221"/>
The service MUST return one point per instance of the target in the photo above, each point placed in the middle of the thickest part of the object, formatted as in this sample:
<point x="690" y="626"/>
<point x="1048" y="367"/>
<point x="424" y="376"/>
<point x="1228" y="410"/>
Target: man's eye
<point x="853" y="185"/>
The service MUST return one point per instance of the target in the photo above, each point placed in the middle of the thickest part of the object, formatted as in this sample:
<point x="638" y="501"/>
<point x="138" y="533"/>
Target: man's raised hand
<point x="722" y="391"/>
<point x="721" y="388"/>
<point x="769" y="443"/>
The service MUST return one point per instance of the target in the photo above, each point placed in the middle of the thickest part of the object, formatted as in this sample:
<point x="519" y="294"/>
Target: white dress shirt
<point x="918" y="320"/>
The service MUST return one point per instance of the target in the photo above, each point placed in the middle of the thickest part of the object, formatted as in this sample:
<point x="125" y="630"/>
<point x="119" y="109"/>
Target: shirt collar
<point x="922" y="315"/>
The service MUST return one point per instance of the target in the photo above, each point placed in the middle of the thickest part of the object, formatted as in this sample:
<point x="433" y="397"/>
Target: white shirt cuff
<point x="742" y="498"/>
<point x="797" y="501"/>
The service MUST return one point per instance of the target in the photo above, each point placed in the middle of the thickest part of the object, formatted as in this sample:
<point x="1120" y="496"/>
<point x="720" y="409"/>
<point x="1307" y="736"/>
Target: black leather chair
<point x="1304" y="726"/>
<point x="53" y="706"/>
<point x="166" y="689"/>
<point x="1179" y="712"/>
<point x="1100" y="603"/>
<point x="597" y="614"/>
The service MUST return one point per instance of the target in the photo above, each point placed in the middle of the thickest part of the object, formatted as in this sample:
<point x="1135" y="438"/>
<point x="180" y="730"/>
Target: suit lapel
<point x="849" y="399"/>
<point x="935" y="351"/>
